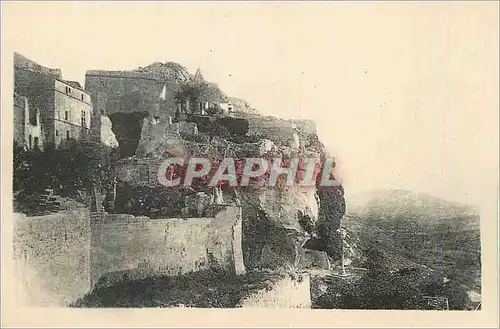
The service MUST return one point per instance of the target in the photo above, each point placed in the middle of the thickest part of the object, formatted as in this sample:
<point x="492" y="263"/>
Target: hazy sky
<point x="405" y="95"/>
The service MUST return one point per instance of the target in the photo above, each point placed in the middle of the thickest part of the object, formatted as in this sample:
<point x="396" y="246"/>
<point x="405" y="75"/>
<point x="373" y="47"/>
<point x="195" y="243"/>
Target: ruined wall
<point x="106" y="132"/>
<point x="19" y="114"/>
<point x="128" y="247"/>
<point x="131" y="91"/>
<point x="23" y="62"/>
<point x="127" y="128"/>
<point x="275" y="129"/>
<point x="39" y="89"/>
<point x="289" y="292"/>
<point x="279" y="130"/>
<point x="51" y="254"/>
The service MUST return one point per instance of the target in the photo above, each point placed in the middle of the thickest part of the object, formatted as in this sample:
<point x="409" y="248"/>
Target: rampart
<point x="52" y="254"/>
<point x="62" y="256"/>
<point x="125" y="247"/>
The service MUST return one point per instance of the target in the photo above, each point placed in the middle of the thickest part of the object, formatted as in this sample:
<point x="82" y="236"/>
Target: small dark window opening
<point x="33" y="117"/>
<point x="67" y="134"/>
<point x="66" y="115"/>
<point x="29" y="142"/>
<point x="57" y="132"/>
<point x="82" y="97"/>
<point x="84" y="119"/>
<point x="36" y="142"/>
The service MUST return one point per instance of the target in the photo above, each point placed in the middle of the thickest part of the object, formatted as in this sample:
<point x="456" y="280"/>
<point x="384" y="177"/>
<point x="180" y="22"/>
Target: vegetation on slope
<point x="204" y="289"/>
<point x="70" y="171"/>
<point x="415" y="246"/>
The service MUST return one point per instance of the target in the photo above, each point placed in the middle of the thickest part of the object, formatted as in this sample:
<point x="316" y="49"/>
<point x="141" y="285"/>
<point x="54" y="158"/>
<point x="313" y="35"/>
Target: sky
<point x="405" y="95"/>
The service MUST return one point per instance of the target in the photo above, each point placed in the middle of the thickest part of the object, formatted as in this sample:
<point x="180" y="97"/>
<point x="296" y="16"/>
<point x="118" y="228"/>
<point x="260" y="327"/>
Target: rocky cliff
<point x="277" y="221"/>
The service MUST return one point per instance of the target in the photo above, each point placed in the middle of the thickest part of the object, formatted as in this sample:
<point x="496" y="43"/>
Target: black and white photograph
<point x="231" y="155"/>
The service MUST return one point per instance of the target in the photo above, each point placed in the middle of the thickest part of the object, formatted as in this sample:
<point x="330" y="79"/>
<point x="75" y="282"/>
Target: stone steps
<point x="48" y="203"/>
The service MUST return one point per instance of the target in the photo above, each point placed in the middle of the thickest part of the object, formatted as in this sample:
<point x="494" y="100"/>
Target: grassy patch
<point x="205" y="289"/>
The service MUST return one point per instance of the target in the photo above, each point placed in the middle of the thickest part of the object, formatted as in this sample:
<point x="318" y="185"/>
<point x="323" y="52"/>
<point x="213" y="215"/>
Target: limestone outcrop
<point x="277" y="221"/>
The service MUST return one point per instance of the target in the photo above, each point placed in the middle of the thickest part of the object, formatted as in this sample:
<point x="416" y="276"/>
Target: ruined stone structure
<point x="27" y="126"/>
<point x="132" y="91"/>
<point x="62" y="256"/>
<point x="65" y="108"/>
<point x="52" y="257"/>
<point x="281" y="130"/>
<point x="150" y="89"/>
<point x="128" y="247"/>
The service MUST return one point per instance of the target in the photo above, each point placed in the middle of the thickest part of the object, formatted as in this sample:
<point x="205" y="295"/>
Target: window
<point x="66" y="115"/>
<point x="29" y="142"/>
<point x="57" y="132"/>
<point x="82" y="97"/>
<point x="36" y="143"/>
<point x="84" y="119"/>
<point x="67" y="134"/>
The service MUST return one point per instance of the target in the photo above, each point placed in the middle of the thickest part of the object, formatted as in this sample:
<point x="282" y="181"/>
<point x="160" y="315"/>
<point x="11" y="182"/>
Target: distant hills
<point x="440" y="234"/>
<point x="387" y="204"/>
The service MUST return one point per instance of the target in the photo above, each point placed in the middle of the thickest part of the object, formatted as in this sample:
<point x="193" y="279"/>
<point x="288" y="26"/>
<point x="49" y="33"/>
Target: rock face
<point x="273" y="229"/>
<point x="277" y="222"/>
<point x="241" y="107"/>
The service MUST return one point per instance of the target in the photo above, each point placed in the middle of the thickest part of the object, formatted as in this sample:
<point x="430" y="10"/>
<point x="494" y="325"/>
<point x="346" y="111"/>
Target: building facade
<point x="65" y="109"/>
<point x="72" y="113"/>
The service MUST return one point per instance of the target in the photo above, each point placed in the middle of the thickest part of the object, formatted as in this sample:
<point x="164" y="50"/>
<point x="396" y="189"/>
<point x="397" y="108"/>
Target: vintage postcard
<point x="290" y="164"/>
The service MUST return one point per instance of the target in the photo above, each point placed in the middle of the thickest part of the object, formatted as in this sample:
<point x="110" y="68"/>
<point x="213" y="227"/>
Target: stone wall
<point x="280" y="130"/>
<point x="51" y="254"/>
<point x="289" y="292"/>
<point x="61" y="257"/>
<point x="23" y="62"/>
<point x="127" y="247"/>
<point x="27" y="126"/>
<point x="39" y="89"/>
<point x="19" y="114"/>
<point x="131" y="91"/>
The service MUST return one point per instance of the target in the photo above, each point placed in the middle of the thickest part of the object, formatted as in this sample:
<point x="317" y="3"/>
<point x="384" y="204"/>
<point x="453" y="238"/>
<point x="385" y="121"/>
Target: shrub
<point x="235" y="126"/>
<point x="68" y="171"/>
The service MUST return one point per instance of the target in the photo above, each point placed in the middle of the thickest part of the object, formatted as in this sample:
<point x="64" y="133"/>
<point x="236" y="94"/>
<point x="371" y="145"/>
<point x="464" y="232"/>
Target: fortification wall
<point x="131" y="91"/>
<point x="51" y="254"/>
<point x="127" y="247"/>
<point x="279" y="130"/>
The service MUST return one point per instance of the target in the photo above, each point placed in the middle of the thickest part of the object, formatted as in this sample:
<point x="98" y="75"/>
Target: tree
<point x="192" y="90"/>
<point x="384" y="290"/>
<point x="70" y="171"/>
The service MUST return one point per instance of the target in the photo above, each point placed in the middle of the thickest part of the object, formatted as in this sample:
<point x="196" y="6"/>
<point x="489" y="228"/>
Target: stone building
<point x="27" y="128"/>
<point x="149" y="89"/>
<point x="65" y="108"/>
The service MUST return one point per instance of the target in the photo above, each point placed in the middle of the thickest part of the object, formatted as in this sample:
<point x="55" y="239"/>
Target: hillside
<point x="439" y="234"/>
